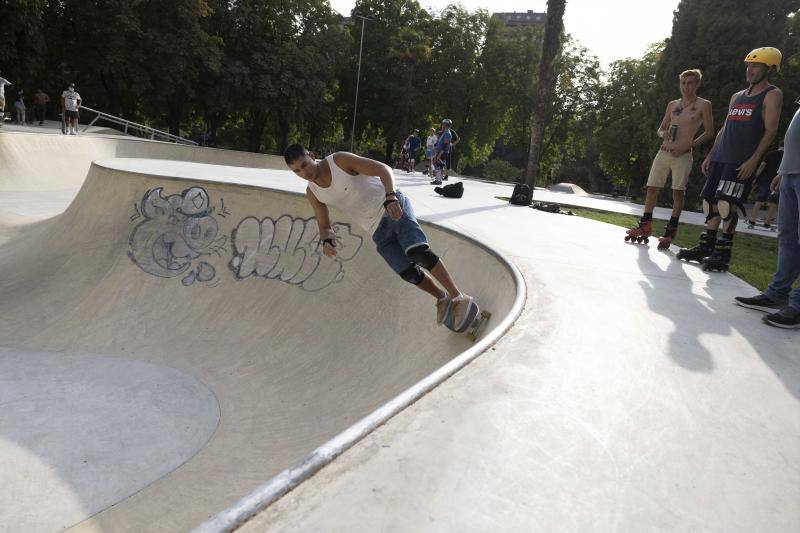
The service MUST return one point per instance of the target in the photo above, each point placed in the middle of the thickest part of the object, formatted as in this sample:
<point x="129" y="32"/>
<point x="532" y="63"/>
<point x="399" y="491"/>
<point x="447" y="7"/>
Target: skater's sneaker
<point x="459" y="308"/>
<point x="436" y="182"/>
<point x="669" y="234"/>
<point x="760" y="303"/>
<point x="442" y="307"/>
<point x="640" y="233"/>
<point x="788" y="318"/>
<point x="751" y="224"/>
<point x="446" y="177"/>
<point x="767" y="226"/>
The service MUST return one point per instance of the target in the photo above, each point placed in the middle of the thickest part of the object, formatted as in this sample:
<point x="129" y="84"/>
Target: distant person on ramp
<point x="70" y="104"/>
<point x="3" y="83"/>
<point x="747" y="133"/>
<point x="681" y="121"/>
<point x="365" y="190"/>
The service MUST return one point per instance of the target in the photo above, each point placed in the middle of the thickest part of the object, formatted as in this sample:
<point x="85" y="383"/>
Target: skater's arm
<point x="326" y="233"/>
<point x="772" y="111"/>
<point x="708" y="126"/>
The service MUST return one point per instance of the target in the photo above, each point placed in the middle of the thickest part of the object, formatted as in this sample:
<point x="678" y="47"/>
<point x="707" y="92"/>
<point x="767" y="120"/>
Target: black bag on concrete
<point x="521" y="195"/>
<point x="452" y="190"/>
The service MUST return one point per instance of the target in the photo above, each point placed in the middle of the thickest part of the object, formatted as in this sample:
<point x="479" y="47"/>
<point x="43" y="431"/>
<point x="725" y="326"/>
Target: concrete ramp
<point x="222" y="345"/>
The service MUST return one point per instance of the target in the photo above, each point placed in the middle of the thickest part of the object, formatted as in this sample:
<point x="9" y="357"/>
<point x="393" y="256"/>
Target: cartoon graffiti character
<point x="176" y="230"/>
<point x="287" y="249"/>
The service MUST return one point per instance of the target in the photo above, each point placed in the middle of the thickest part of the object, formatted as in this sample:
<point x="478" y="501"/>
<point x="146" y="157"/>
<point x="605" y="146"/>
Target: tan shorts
<point x="665" y="162"/>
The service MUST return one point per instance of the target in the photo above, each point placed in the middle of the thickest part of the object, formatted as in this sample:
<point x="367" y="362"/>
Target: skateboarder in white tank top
<point x="365" y="190"/>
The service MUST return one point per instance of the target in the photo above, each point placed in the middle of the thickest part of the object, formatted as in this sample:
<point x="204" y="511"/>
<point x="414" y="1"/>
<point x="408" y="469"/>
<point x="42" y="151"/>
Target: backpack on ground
<point x="521" y="195"/>
<point x="452" y="190"/>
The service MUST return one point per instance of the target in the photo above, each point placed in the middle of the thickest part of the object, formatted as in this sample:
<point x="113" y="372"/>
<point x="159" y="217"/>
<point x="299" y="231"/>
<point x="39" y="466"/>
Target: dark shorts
<point x="70" y="114"/>
<point x="412" y="154"/>
<point x="763" y="194"/>
<point x="722" y="184"/>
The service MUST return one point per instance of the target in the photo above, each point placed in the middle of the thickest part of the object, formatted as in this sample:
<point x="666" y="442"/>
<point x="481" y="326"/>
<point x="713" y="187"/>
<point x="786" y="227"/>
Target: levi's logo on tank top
<point x="741" y="111"/>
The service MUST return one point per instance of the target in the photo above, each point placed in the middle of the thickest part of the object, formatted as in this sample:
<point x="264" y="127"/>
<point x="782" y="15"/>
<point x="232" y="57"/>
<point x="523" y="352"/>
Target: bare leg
<point x="443" y="276"/>
<point x="428" y="285"/>
<point x="677" y="202"/>
<point x="650" y="199"/>
<point x="713" y="224"/>
<point x="771" y="210"/>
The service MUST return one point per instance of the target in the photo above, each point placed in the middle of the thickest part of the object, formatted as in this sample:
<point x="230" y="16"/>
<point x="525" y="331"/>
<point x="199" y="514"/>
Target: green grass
<point x="754" y="257"/>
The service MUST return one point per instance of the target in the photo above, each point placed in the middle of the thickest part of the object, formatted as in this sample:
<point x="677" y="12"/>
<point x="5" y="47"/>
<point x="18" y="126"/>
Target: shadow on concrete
<point x="716" y="313"/>
<point x="669" y="294"/>
<point x="460" y="212"/>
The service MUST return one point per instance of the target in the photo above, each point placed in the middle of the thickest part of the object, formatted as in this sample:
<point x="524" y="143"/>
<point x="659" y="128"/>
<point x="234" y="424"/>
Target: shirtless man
<point x="681" y="121"/>
<point x="749" y="129"/>
<point x="365" y="190"/>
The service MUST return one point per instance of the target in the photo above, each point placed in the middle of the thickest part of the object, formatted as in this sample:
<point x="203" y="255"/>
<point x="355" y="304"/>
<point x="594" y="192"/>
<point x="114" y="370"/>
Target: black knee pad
<point x="422" y="256"/>
<point x="413" y="275"/>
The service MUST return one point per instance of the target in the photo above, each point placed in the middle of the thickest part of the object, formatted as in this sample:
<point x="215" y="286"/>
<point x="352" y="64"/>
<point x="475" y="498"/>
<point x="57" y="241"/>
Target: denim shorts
<point x="395" y="237"/>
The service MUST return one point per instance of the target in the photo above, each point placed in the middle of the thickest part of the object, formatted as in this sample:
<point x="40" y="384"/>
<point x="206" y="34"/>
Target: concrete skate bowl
<point x="568" y="188"/>
<point x="173" y="348"/>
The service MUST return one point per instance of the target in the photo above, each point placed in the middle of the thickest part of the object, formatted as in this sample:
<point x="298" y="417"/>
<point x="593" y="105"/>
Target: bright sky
<point x="611" y="29"/>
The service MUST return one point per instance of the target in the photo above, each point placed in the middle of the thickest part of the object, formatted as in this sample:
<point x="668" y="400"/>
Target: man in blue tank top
<point x="748" y="131"/>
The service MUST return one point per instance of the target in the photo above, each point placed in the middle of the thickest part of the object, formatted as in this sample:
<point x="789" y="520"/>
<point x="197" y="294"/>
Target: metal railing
<point x="132" y="128"/>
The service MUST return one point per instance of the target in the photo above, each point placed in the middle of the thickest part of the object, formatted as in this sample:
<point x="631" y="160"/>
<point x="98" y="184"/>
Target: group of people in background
<point x="438" y="151"/>
<point x="70" y="105"/>
<point x="738" y="157"/>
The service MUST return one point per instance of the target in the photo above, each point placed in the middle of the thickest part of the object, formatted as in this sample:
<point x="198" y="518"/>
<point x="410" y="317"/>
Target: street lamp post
<point x="358" y="80"/>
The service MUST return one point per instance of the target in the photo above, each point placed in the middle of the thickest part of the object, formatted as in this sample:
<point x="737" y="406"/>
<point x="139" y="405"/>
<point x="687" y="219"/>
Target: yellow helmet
<point x="768" y="55"/>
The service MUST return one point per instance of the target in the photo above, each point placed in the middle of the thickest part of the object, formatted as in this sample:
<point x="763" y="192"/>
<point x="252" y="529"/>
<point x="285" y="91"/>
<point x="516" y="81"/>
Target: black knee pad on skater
<point x="422" y="256"/>
<point x="413" y="275"/>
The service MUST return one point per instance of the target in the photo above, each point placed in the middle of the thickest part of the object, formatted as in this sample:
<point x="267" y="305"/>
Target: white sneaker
<point x="442" y="306"/>
<point x="459" y="307"/>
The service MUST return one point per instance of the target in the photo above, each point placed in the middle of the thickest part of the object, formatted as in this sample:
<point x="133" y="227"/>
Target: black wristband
<point x="388" y="194"/>
<point x="387" y="202"/>
<point x="332" y="242"/>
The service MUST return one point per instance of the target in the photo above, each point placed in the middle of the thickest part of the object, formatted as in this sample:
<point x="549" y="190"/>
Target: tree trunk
<point x="258" y="119"/>
<point x="551" y="49"/>
<point x="407" y="99"/>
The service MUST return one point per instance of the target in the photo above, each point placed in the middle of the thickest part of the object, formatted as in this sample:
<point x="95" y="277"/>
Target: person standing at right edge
<point x="779" y="300"/>
<point x="749" y="129"/>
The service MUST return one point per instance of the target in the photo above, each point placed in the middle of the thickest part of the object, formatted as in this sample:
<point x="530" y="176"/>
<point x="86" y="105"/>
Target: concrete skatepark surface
<point x="630" y="393"/>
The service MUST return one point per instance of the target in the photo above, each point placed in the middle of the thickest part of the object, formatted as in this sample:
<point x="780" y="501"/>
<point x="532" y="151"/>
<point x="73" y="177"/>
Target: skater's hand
<point x="747" y="169"/>
<point x="394" y="210"/>
<point x="329" y="247"/>
<point x="775" y="184"/>
<point x="705" y="165"/>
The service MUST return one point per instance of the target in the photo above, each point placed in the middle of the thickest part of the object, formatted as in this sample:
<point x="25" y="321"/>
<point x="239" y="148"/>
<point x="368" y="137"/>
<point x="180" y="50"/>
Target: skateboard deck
<point x="472" y="323"/>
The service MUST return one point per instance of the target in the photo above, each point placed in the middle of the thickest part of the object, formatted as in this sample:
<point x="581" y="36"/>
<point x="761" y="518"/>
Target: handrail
<point x="133" y="127"/>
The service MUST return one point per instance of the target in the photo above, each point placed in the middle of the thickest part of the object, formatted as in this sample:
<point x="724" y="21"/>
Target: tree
<point x="554" y="28"/>
<point x="628" y="115"/>
<point x="410" y="47"/>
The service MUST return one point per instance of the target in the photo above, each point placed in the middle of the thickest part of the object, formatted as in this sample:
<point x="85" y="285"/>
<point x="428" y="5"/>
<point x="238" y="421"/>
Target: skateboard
<point x="473" y="322"/>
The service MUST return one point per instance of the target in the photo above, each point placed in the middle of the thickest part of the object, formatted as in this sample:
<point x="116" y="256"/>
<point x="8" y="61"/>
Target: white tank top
<point x="360" y="197"/>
